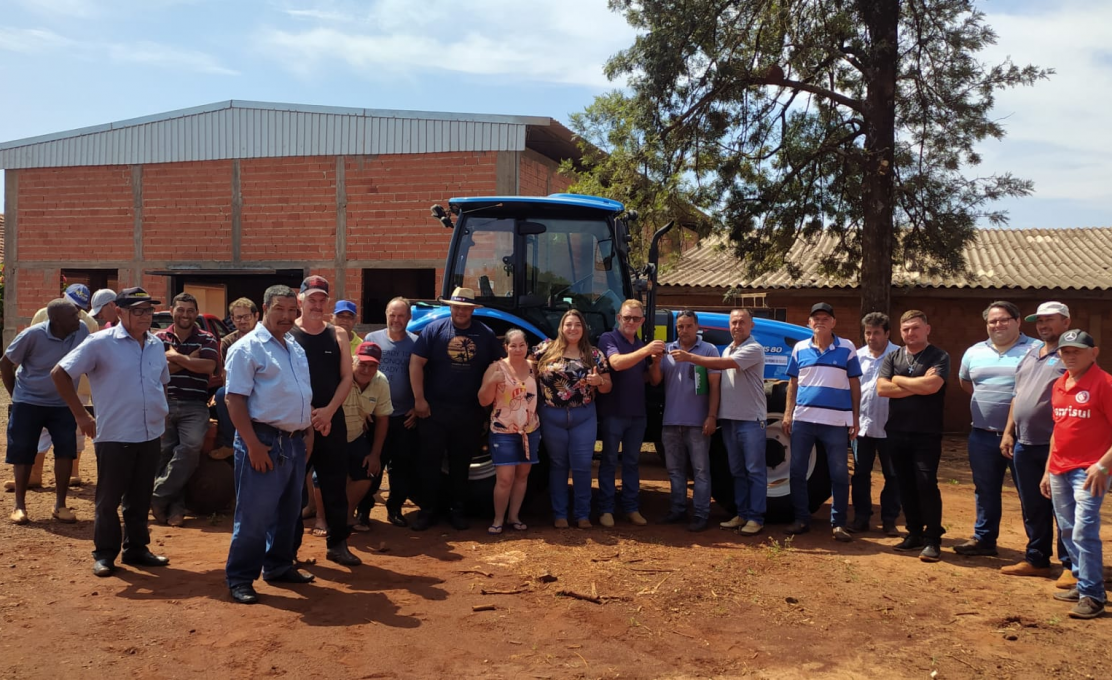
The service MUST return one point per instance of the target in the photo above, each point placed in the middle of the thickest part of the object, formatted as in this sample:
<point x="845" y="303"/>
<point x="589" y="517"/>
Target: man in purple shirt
<point x="622" y="411"/>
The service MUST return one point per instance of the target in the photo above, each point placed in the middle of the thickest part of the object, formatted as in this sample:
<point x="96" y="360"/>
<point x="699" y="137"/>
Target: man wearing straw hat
<point x="446" y="371"/>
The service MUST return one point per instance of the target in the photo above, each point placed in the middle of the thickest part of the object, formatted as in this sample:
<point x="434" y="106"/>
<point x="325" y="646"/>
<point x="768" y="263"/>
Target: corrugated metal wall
<point x="262" y="133"/>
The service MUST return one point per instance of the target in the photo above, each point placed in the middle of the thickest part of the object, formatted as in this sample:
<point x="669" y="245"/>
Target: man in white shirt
<point x="871" y="440"/>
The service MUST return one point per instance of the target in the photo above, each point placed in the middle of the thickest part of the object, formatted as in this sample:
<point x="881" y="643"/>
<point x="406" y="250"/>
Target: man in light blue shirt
<point x="872" y="442"/>
<point x="988" y="373"/>
<point x="269" y="400"/>
<point x="127" y="372"/>
<point x="690" y="418"/>
<point x="25" y="368"/>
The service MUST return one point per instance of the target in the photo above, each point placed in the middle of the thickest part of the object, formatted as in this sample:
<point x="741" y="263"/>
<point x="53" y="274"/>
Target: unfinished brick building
<point x="226" y="199"/>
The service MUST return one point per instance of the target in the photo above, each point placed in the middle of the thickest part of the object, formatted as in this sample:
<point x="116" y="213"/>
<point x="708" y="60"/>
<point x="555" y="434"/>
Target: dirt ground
<point x="671" y="604"/>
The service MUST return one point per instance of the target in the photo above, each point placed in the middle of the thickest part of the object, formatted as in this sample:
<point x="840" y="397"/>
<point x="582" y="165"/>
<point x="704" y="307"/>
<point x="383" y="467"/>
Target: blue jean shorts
<point x="509" y="449"/>
<point x="26" y="423"/>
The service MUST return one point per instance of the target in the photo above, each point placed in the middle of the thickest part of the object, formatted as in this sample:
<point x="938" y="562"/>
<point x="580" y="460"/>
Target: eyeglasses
<point x="141" y="311"/>
<point x="632" y="319"/>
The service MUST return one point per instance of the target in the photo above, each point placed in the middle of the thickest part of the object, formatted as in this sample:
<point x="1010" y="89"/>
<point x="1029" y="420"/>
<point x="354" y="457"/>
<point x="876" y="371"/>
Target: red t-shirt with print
<point x="1082" y="420"/>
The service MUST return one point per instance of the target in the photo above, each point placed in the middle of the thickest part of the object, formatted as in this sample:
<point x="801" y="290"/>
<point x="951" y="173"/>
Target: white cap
<point x="1048" y="308"/>
<point x="101" y="298"/>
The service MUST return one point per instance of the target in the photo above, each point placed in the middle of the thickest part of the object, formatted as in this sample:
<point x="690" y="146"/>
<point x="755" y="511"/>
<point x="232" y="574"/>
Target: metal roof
<point x="1079" y="259"/>
<point x="243" y="129"/>
<point x="567" y="200"/>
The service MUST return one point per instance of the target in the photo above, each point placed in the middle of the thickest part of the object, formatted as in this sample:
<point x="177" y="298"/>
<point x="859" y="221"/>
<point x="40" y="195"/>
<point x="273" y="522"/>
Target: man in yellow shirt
<point x="79" y="295"/>
<point x="369" y="399"/>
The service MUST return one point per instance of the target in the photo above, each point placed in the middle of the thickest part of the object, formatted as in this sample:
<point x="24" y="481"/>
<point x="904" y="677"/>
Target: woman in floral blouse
<point x="570" y="373"/>
<point x="515" y="435"/>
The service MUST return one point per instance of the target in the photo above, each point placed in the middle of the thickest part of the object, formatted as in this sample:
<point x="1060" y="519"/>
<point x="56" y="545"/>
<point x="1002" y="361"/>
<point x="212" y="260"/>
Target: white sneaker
<point x="751" y="528"/>
<point x="733" y="523"/>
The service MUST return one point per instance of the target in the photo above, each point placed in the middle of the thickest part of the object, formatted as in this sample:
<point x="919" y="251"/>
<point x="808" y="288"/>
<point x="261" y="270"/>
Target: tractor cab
<point x="530" y="259"/>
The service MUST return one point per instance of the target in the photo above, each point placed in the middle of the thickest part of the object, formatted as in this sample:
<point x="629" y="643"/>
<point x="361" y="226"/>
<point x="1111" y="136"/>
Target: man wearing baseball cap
<point x="1080" y="465"/>
<point x="329" y="355"/>
<point x="823" y="404"/>
<point x="78" y="294"/>
<point x="446" y="370"/>
<point x="128" y="372"/>
<point x="104" y="308"/>
<point x="367" y="407"/>
<point x="344" y="315"/>
<point x="1026" y="442"/>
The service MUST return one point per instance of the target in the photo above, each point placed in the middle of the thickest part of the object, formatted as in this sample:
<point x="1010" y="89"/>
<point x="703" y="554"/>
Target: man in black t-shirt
<point x="445" y="371"/>
<point x="914" y="379"/>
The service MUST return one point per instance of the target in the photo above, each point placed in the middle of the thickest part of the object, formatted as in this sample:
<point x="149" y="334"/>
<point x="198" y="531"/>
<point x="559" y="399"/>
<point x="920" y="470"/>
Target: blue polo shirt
<point x="993" y="376"/>
<point x="127" y="379"/>
<point x="36" y="351"/>
<point x="823" y="394"/>
<point x="275" y="379"/>
<point x="682" y="406"/>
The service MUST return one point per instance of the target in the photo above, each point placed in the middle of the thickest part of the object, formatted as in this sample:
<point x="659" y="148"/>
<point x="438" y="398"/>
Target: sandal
<point x="518" y="526"/>
<point x="494" y="529"/>
<point x="19" y="516"/>
<point x="317" y="531"/>
<point x="361" y="528"/>
<point x="64" y="515"/>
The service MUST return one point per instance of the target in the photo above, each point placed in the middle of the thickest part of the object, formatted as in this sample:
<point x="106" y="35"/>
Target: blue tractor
<point x="530" y="259"/>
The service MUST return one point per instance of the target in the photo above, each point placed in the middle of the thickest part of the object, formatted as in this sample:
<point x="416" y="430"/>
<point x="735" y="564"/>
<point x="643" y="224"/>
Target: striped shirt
<point x="823" y="377"/>
<point x="993" y="376"/>
<point x="187" y="385"/>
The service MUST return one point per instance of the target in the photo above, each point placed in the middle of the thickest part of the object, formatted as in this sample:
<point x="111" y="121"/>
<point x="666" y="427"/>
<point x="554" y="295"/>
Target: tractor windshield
<point x="542" y="267"/>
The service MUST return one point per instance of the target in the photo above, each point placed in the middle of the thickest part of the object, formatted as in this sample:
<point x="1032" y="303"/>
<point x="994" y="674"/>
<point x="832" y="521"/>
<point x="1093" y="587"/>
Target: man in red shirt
<point x="1077" y="471"/>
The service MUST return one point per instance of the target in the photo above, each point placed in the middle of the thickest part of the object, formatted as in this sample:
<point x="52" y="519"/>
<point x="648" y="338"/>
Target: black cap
<point x="1076" y="338"/>
<point x="821" y="307"/>
<point x="129" y="297"/>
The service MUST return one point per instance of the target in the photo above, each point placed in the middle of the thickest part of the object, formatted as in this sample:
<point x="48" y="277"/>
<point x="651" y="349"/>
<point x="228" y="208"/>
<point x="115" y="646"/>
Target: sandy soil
<point x="671" y="604"/>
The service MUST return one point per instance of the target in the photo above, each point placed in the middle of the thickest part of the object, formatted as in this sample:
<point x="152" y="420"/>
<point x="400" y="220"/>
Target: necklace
<point x="912" y="364"/>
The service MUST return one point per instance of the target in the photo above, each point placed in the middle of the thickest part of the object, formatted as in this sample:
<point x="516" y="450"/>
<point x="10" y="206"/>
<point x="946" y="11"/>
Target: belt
<point x="270" y="429"/>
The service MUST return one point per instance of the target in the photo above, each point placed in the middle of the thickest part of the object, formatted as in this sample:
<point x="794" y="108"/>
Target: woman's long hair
<point x="556" y="347"/>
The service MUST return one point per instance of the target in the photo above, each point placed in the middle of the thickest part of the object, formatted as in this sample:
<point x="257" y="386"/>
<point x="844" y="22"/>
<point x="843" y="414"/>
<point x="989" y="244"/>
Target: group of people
<point x="302" y="393"/>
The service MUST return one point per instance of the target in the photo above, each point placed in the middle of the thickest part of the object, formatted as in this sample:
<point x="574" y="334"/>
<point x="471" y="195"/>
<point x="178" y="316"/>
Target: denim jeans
<point x="835" y="439"/>
<point x="916" y="455"/>
<point x="569" y="438"/>
<point x="629" y="434"/>
<point x="683" y="443"/>
<point x="1078" y="513"/>
<point x="225" y="430"/>
<point x="1028" y="466"/>
<point x="186" y="426"/>
<point x="268" y="505"/>
<point x="865" y="451"/>
<point x="745" y="449"/>
<point x="988" y="466"/>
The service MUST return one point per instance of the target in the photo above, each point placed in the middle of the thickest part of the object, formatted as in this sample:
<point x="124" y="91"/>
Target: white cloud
<point x="1057" y="131"/>
<point x="550" y="42"/>
<point x="41" y="41"/>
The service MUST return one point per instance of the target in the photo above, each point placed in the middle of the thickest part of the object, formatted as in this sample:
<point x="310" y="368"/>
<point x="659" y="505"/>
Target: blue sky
<point x="71" y="63"/>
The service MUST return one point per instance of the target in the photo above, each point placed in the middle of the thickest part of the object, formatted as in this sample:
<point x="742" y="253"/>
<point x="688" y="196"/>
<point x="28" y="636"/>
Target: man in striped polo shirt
<point x="988" y="373"/>
<point x="192" y="355"/>
<point x="824" y="396"/>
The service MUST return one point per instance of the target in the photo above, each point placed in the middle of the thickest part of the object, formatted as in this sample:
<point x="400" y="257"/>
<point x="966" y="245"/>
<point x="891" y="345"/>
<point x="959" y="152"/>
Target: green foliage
<point x="623" y="160"/>
<point x="790" y="117"/>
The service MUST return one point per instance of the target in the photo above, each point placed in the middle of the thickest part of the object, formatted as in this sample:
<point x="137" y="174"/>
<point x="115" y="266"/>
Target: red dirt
<point x="675" y="604"/>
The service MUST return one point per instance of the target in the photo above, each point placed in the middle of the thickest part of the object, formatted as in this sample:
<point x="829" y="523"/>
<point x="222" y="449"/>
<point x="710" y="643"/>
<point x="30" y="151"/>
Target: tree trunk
<point x="877" y="234"/>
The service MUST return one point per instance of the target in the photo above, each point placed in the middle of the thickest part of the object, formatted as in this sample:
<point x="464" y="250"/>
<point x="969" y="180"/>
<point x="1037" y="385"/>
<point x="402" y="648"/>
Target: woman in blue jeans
<point x="570" y="374"/>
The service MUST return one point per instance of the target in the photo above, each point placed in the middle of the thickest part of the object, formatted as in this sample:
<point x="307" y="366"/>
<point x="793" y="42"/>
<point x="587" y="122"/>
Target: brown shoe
<point x="584" y="524"/>
<point x="635" y="518"/>
<point x="1025" y="568"/>
<point x="1066" y="581"/>
<point x="561" y="523"/>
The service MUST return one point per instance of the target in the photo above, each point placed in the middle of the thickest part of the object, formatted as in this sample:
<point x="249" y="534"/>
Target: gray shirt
<point x="1034" y="379"/>
<point x="742" y="393"/>
<point x="874" y="408"/>
<point x="395" y="364"/>
<point x="35" y="351"/>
